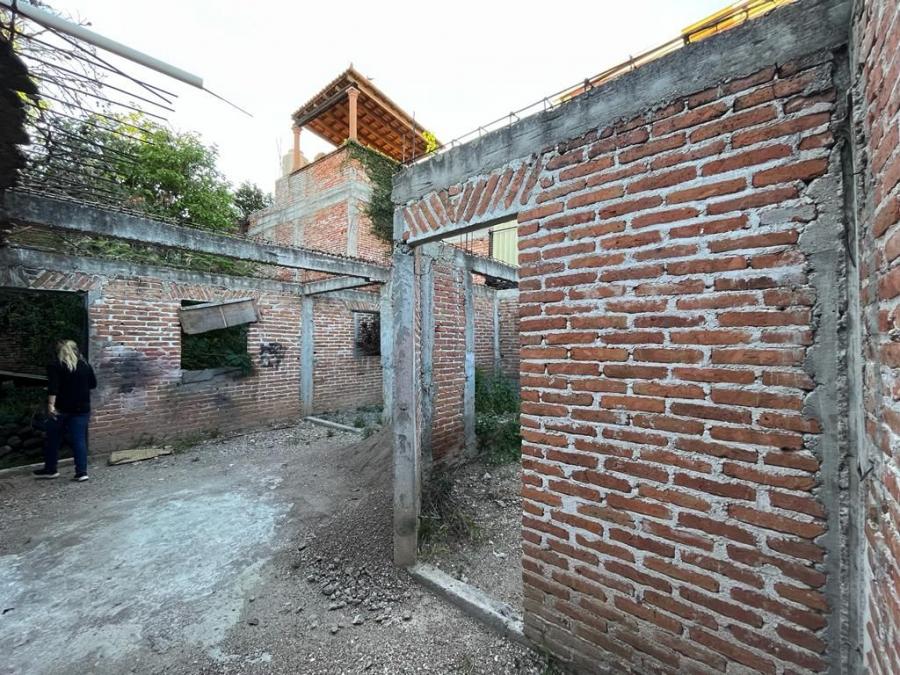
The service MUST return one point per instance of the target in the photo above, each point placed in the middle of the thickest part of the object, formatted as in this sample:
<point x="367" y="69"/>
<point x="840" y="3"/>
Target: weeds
<point x="359" y="422"/>
<point x="497" y="418"/>
<point x="443" y="517"/>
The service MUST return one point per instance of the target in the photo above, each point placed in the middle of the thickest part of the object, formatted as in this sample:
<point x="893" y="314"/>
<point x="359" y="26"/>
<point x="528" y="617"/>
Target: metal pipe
<point x="52" y="21"/>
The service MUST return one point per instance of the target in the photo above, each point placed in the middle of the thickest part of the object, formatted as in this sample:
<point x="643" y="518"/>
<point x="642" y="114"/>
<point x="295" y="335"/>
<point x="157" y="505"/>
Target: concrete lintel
<point x="334" y="284"/>
<point x="456" y="229"/>
<point x="787" y="33"/>
<point x="27" y="257"/>
<point x="473" y="601"/>
<point x="69" y="215"/>
<point x="492" y="268"/>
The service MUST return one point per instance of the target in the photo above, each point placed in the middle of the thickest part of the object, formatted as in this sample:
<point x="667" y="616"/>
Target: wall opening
<point x="219" y="349"/>
<point x="366" y="334"/>
<point x="30" y="324"/>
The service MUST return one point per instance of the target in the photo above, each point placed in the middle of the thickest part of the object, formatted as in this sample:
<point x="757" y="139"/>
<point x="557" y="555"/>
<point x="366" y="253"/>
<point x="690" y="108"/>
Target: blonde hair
<point x="68" y="354"/>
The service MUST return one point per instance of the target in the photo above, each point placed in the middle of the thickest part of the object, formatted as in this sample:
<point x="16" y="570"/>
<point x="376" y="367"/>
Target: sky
<point x="454" y="65"/>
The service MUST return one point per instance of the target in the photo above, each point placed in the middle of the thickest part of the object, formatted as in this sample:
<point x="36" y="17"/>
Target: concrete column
<point x="352" y="95"/>
<point x="469" y="391"/>
<point x="496" y="304"/>
<point x="407" y="481"/>
<point x="426" y="357"/>
<point x="387" y="353"/>
<point x="295" y="157"/>
<point x="307" y="355"/>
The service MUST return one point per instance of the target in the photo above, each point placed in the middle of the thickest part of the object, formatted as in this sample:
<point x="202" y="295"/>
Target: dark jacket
<point x="72" y="388"/>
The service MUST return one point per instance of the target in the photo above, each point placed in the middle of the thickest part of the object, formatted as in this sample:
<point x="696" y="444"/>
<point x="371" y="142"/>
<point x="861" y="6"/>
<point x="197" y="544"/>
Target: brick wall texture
<point x="877" y="79"/>
<point x="675" y="518"/>
<point x="135" y="348"/>
<point x="315" y="207"/>
<point x="342" y="377"/>
<point x="671" y="513"/>
<point x="448" y="361"/>
<point x="483" y="298"/>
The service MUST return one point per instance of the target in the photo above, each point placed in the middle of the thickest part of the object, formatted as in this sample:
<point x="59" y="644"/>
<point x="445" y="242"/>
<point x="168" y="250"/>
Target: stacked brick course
<point x="342" y="377"/>
<point x="449" y="375"/>
<point x="671" y="516"/>
<point x="877" y="69"/>
<point x="135" y="347"/>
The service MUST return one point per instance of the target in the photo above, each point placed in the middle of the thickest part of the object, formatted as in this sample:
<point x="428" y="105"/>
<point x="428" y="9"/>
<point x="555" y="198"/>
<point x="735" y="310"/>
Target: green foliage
<point x="380" y="169"/>
<point x="497" y="418"/>
<point x="224" y="348"/>
<point x="442" y="516"/>
<point x="38" y="320"/>
<point x="249" y="198"/>
<point x="150" y="168"/>
<point x="17" y="405"/>
<point x="431" y="142"/>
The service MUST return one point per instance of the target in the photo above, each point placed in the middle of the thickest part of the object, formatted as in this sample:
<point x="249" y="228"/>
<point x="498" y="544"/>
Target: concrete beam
<point x="334" y="284"/>
<point x="492" y="269"/>
<point x="407" y="478"/>
<point x="67" y="215"/>
<point x="473" y="601"/>
<point x="787" y="33"/>
<point x="307" y="355"/>
<point x="27" y="257"/>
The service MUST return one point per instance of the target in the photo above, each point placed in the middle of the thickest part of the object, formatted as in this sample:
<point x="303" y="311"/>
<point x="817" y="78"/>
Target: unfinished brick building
<point x="707" y="302"/>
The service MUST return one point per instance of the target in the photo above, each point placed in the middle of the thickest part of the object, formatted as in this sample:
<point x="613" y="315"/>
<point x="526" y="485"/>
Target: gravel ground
<point x="492" y="559"/>
<point x="286" y="569"/>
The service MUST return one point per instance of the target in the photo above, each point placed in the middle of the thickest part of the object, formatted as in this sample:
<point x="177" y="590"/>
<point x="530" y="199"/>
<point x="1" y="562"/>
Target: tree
<point x="171" y="174"/>
<point x="249" y="198"/>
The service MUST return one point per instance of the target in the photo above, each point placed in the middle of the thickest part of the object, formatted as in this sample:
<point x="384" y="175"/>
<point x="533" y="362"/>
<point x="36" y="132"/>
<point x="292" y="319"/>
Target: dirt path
<point x="266" y="553"/>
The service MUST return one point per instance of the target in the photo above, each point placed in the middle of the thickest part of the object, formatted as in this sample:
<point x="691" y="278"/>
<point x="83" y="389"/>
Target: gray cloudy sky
<point x="455" y="65"/>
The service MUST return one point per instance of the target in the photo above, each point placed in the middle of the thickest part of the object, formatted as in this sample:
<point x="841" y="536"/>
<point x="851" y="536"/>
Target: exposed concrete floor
<point x="213" y="561"/>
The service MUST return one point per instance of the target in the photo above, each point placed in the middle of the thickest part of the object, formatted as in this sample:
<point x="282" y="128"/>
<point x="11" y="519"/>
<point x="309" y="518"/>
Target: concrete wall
<point x="875" y="64"/>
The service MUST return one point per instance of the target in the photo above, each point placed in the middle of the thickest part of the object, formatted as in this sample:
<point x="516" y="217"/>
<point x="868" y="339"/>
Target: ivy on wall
<point x="380" y="169"/>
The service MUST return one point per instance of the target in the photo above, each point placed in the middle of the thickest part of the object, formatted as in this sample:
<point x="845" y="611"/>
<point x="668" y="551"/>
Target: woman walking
<point x="70" y="379"/>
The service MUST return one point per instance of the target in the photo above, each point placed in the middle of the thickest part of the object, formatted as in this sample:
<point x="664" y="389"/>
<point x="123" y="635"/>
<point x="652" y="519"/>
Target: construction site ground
<point x="268" y="552"/>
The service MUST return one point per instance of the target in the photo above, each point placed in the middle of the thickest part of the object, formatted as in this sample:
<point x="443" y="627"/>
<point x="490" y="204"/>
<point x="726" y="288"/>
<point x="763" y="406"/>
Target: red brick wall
<point x="673" y="515"/>
<point x="324" y="228"/>
<point x="509" y="335"/>
<point x="342" y="379"/>
<point x="448" y="361"/>
<point x="877" y="42"/>
<point x="671" y="512"/>
<point x="136" y="352"/>
<point x="484" y="328"/>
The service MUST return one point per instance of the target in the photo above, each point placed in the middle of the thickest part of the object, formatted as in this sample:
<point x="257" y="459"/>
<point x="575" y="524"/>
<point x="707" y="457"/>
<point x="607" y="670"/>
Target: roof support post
<point x="469" y="385"/>
<point x="295" y="157"/>
<point x="352" y="95"/>
<point x="307" y="355"/>
<point x="407" y="480"/>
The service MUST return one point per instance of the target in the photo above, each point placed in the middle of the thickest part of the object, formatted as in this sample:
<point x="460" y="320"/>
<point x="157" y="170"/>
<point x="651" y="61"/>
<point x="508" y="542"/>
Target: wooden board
<point x="137" y="455"/>
<point x="217" y="315"/>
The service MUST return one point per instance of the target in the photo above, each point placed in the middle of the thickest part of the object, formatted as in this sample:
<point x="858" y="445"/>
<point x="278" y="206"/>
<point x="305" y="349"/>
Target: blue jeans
<point x="75" y="428"/>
